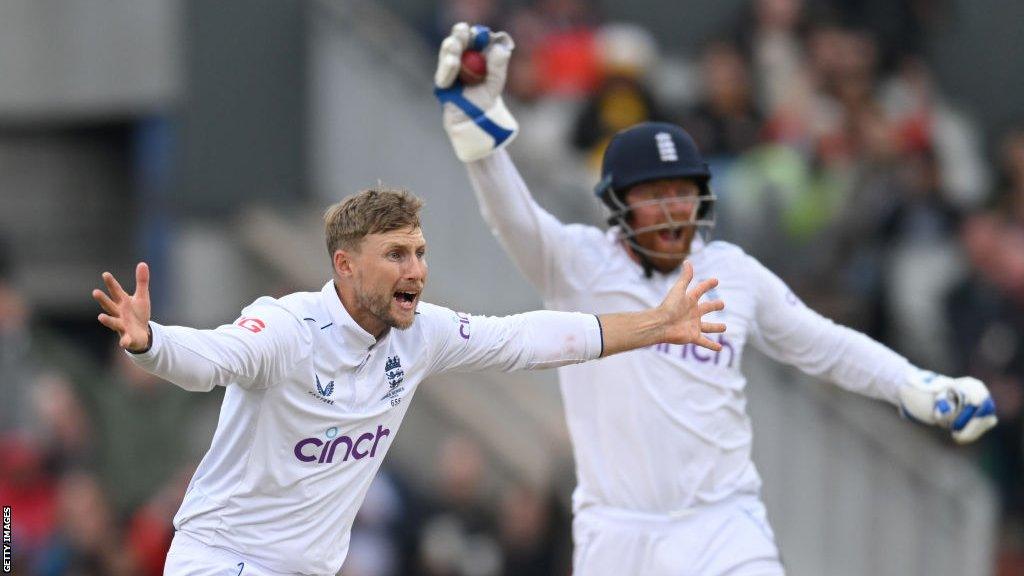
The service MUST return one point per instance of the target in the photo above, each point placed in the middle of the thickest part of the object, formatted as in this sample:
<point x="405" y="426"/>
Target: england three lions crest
<point x="394" y="374"/>
<point x="393" y="371"/>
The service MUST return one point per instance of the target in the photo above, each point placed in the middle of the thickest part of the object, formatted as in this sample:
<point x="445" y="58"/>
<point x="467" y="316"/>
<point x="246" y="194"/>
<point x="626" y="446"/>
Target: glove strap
<point x="453" y="95"/>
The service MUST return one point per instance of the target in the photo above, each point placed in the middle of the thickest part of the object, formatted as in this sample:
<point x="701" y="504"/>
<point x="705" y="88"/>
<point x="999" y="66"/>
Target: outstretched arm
<point x="546" y="339"/>
<point x="790" y="332"/>
<point x="252" y="353"/>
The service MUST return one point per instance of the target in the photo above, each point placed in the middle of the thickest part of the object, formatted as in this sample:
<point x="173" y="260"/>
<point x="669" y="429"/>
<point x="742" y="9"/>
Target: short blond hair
<point x="371" y="211"/>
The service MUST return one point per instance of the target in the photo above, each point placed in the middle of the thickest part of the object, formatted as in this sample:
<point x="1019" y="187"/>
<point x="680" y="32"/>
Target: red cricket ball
<point x="474" y="68"/>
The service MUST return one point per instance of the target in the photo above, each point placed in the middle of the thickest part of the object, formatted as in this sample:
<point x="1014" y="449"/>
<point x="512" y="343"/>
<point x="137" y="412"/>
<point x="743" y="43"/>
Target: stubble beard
<point x="666" y="264"/>
<point x="379" y="306"/>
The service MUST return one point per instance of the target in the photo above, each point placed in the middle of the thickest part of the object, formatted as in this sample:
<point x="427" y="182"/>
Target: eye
<point x="394" y="255"/>
<point x="421" y="253"/>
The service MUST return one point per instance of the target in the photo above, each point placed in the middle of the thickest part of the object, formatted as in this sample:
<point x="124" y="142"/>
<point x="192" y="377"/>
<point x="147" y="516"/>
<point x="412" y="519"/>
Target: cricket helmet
<point x="653" y="151"/>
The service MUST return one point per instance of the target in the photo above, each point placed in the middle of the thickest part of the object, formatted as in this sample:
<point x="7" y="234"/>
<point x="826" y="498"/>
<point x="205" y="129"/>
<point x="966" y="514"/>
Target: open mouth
<point x="671" y="234"/>
<point x="406" y="300"/>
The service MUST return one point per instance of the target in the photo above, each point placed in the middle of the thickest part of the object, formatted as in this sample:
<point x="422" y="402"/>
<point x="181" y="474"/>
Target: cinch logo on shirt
<point x="324" y="451"/>
<point x="692" y="352"/>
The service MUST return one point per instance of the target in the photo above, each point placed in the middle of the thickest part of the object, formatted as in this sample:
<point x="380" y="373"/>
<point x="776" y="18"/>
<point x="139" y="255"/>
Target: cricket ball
<point x="474" y="68"/>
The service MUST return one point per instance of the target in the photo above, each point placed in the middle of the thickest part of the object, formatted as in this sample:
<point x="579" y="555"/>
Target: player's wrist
<point x="657" y="324"/>
<point x="148" y="345"/>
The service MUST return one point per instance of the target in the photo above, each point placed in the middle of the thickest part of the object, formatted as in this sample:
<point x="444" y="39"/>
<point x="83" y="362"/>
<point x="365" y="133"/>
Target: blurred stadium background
<point x="869" y="151"/>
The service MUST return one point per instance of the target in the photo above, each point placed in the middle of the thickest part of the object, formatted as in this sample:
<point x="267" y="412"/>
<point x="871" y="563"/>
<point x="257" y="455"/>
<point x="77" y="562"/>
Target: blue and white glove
<point x="475" y="117"/>
<point x="962" y="405"/>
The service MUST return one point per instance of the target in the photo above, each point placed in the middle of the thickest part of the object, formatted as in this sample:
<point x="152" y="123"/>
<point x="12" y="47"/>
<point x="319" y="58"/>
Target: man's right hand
<point x="127" y="314"/>
<point x="962" y="405"/>
<point x="475" y="117"/>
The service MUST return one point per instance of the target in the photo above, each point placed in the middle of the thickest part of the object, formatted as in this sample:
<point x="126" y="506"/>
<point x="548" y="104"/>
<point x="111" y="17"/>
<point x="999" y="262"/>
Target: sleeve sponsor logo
<point x="254" y="325"/>
<point x="463" y="324"/>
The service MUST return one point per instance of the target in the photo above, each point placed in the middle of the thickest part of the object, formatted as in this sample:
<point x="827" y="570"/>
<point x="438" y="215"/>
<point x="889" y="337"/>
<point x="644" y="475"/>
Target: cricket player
<point x="317" y="384"/>
<point x="666" y="485"/>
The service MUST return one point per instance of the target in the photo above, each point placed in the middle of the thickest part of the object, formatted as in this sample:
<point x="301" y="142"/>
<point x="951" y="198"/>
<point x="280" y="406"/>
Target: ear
<point x="343" y="264"/>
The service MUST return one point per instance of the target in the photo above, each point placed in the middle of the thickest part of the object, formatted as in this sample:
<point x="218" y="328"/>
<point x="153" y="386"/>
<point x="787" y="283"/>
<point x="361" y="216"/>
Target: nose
<point x="416" y="270"/>
<point x="682" y="208"/>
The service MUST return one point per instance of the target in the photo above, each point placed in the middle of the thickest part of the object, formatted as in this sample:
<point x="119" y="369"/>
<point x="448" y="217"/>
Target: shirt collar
<point x="350" y="332"/>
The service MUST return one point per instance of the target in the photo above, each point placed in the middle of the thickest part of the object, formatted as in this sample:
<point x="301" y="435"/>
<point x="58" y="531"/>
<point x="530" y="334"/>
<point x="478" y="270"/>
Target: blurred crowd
<point x="837" y="161"/>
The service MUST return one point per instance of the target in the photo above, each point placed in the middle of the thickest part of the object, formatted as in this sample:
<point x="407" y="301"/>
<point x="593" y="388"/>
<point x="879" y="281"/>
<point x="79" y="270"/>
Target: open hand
<point x="127" y="314"/>
<point x="684" y="312"/>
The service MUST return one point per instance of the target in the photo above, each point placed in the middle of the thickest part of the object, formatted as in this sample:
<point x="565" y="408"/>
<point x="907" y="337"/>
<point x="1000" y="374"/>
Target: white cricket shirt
<point x="313" y="403"/>
<point x="665" y="429"/>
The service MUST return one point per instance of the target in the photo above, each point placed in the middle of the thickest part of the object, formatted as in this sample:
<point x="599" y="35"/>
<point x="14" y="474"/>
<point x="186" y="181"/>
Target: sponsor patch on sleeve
<point x="463" y="324"/>
<point x="254" y="325"/>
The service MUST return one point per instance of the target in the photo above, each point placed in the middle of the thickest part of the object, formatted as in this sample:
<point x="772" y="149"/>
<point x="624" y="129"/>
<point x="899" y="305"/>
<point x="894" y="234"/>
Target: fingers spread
<point x="117" y="293"/>
<point x="710" y="306"/>
<point x="705" y="342"/>
<point x="114" y="324"/>
<point x="105" y="302"/>
<point x="142" y="280"/>
<point x="687" y="275"/>
<point x="702" y="288"/>
<point x="712" y="327"/>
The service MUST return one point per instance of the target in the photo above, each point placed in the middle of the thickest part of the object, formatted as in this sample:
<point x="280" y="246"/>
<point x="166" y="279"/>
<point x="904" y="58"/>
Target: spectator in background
<point x="16" y="362"/>
<point x="567" y="59"/>
<point x="459" y="535"/>
<point x="1010" y="197"/>
<point x="924" y="118"/>
<point x="382" y="531"/>
<point x="527" y="25"/>
<point x="626" y="54"/>
<point x="530" y="533"/>
<point x="150" y="530"/>
<point x="726" y="122"/>
<point x="140" y="448"/>
<point x="449" y="12"/>
<point x="987" y="309"/>
<point x="31" y="493"/>
<point x="921" y="261"/>
<point x="902" y="25"/>
<point x="63" y="424"/>
<point x="771" y="36"/>
<point x="88" y="541"/>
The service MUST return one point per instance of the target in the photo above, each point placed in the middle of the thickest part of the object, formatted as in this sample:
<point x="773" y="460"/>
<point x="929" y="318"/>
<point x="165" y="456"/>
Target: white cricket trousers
<point x="731" y="538"/>
<point x="190" y="557"/>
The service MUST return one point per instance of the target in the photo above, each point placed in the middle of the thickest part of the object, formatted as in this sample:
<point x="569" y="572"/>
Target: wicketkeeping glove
<point x="962" y="405"/>
<point x="475" y="117"/>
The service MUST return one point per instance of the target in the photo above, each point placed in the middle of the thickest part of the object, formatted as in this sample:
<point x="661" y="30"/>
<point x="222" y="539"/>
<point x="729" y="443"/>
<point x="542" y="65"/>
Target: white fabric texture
<point x="665" y="429"/>
<point x="312" y="405"/>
